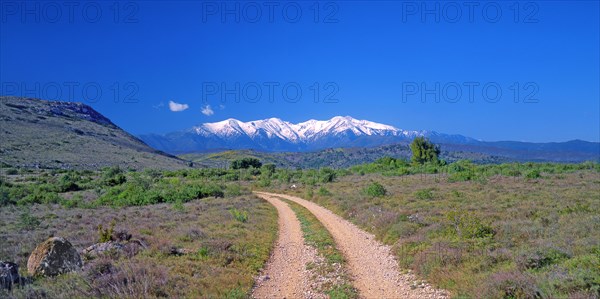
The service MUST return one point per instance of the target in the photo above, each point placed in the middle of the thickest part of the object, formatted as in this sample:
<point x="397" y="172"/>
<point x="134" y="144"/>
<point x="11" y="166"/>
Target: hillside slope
<point x="45" y="134"/>
<point x="334" y="157"/>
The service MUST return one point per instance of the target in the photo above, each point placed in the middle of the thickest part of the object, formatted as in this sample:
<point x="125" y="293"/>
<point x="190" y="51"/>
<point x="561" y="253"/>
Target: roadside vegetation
<point x="203" y="236"/>
<point x="480" y="231"/>
<point x="512" y="230"/>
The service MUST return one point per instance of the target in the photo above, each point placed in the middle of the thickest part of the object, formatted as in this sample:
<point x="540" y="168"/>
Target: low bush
<point x="511" y="284"/>
<point x="241" y="216"/>
<point x="468" y="226"/>
<point x="540" y="257"/>
<point x="28" y="221"/>
<point x="375" y="189"/>
<point x="424" y="194"/>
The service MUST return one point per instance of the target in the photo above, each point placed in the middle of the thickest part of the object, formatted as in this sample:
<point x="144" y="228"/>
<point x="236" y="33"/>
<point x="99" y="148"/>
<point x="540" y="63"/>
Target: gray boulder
<point x="53" y="257"/>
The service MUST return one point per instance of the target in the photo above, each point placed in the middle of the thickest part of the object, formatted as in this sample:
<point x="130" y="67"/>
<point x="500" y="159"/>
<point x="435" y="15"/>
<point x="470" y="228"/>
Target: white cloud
<point x="160" y="105"/>
<point x="207" y="110"/>
<point x="176" y="107"/>
<point x="221" y="107"/>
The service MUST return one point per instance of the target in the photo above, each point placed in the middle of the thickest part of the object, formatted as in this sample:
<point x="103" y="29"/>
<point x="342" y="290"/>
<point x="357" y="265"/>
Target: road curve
<point x="373" y="268"/>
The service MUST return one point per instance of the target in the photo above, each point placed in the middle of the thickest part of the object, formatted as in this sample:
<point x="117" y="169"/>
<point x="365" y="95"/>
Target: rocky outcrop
<point x="114" y="249"/>
<point x="9" y="275"/>
<point x="53" y="257"/>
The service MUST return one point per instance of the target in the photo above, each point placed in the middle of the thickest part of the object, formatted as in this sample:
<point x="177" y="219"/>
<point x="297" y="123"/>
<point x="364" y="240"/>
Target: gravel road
<point x="373" y="268"/>
<point x="285" y="275"/>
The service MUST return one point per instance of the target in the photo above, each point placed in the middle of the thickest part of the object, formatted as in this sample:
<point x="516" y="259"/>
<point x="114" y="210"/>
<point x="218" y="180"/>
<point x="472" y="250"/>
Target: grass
<point x="507" y="230"/>
<point x="531" y="230"/>
<point x="337" y="283"/>
<point x="222" y="255"/>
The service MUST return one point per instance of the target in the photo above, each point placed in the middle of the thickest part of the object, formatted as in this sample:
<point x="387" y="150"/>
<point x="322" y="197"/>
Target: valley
<point x="451" y="221"/>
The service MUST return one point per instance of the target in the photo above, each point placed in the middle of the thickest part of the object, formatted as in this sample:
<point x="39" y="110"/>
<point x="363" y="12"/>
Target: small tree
<point x="424" y="151"/>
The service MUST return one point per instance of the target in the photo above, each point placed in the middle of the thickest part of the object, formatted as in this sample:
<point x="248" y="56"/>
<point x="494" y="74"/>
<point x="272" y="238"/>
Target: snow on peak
<point x="300" y="132"/>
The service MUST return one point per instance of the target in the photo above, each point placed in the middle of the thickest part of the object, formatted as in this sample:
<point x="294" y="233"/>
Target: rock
<point x="129" y="248"/>
<point x="180" y="251"/>
<point x="121" y="235"/>
<point x="99" y="249"/>
<point x="9" y="275"/>
<point x="53" y="257"/>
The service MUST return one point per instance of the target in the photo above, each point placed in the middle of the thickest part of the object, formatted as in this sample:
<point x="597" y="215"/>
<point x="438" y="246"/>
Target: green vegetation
<point x="375" y="190"/>
<point x="198" y="252"/>
<point x="317" y="236"/>
<point x="241" y="216"/>
<point x="424" y="151"/>
<point x="479" y="230"/>
<point x="246" y="163"/>
<point x="516" y="230"/>
<point x="105" y="234"/>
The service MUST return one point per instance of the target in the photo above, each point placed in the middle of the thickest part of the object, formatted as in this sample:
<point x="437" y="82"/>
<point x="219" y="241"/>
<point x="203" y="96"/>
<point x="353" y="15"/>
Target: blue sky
<point x="369" y="60"/>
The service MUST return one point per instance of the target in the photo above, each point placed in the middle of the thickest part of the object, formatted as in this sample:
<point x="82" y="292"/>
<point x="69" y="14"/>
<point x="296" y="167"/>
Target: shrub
<point x="75" y="201"/>
<point x="424" y="194"/>
<point x="468" y="226"/>
<point x="326" y="175"/>
<point x="28" y="221"/>
<point x="540" y="258"/>
<point x="323" y="191"/>
<point x="233" y="190"/>
<point x="268" y="169"/>
<point x="241" y="216"/>
<point x="375" y="190"/>
<point x="512" y="284"/>
<point x="105" y="235"/>
<point x="245" y="163"/>
<point x="113" y="176"/>
<point x="533" y="174"/>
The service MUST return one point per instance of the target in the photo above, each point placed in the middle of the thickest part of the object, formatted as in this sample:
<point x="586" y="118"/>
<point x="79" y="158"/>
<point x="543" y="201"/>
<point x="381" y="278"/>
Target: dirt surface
<point x="373" y="268"/>
<point x="285" y="275"/>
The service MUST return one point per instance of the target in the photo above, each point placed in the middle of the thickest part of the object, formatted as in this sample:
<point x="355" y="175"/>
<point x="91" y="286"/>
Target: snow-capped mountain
<point x="274" y="134"/>
<point x="302" y="132"/>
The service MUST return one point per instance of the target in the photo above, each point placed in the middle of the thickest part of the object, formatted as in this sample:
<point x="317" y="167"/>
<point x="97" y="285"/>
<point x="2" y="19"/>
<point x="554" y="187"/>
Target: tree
<point x="245" y="163"/>
<point x="424" y="151"/>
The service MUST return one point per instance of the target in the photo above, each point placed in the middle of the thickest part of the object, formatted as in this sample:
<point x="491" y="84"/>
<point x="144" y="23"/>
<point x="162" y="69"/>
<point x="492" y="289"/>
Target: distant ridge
<point x="276" y="135"/>
<point x="46" y="134"/>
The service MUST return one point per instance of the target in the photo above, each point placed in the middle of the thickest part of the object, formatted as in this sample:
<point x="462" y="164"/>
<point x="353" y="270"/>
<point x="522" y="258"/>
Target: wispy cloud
<point x="221" y="106"/>
<point x="176" y="107"/>
<point x="160" y="105"/>
<point x="207" y="110"/>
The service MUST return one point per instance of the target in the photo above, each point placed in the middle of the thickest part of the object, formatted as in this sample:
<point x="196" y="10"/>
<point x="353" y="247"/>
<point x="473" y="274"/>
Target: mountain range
<point x="276" y="135"/>
<point x="36" y="133"/>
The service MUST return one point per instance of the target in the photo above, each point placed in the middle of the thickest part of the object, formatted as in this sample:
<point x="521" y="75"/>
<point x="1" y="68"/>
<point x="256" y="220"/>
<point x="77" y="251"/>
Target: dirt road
<point x="285" y="275"/>
<point x="373" y="268"/>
